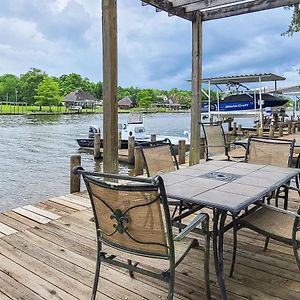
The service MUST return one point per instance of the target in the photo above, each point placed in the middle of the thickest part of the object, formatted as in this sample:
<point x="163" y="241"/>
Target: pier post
<point x="120" y="139"/>
<point x="234" y="128"/>
<point x="181" y="152"/>
<point x="280" y="130"/>
<point x="257" y="129"/>
<point x="153" y="138"/>
<point x="239" y="129"/>
<point x="271" y="132"/>
<point x="138" y="162"/>
<point x="131" y="144"/>
<point x="289" y="127"/>
<point x="202" y="147"/>
<point x="75" y="160"/>
<point x="298" y="125"/>
<point x="293" y="127"/>
<point x="260" y="132"/>
<point x="97" y="142"/>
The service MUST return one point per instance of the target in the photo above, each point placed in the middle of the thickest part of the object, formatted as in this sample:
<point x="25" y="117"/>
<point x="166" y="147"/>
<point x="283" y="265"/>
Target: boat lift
<point x="293" y="91"/>
<point x="240" y="80"/>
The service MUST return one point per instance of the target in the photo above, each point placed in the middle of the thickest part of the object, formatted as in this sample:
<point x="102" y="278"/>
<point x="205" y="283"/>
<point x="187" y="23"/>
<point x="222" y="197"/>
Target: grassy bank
<point x="6" y="109"/>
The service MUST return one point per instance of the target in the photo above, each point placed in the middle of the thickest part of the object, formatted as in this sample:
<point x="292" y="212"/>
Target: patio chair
<point x="158" y="157"/>
<point x="216" y="146"/>
<point x="132" y="218"/>
<point x="266" y="151"/>
<point x="275" y="223"/>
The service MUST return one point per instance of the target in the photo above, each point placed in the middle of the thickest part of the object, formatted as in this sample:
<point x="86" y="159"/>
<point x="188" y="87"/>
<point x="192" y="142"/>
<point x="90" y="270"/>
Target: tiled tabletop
<point x="225" y="185"/>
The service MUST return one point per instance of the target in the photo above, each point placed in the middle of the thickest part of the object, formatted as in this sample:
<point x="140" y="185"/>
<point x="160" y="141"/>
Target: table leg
<point x="218" y="238"/>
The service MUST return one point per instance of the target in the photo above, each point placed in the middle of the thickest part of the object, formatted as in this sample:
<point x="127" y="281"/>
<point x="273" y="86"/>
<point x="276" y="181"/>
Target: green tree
<point x="295" y="22"/>
<point x="48" y="93"/>
<point x="72" y="82"/>
<point x="9" y="87"/>
<point x="29" y="83"/>
<point x="145" y="98"/>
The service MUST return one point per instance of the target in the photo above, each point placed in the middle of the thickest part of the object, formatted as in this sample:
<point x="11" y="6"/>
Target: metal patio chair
<point x="132" y="218"/>
<point x="216" y="146"/>
<point x="158" y="157"/>
<point x="275" y="223"/>
<point x="275" y="152"/>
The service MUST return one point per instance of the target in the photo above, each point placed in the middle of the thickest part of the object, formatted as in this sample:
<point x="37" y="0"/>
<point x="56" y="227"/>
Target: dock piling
<point x="131" y="143"/>
<point x="97" y="142"/>
<point x="138" y="162"/>
<point x="75" y="160"/>
<point x="181" y="152"/>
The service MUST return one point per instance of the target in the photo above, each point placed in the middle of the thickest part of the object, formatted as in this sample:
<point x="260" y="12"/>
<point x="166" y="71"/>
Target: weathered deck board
<point x="56" y="260"/>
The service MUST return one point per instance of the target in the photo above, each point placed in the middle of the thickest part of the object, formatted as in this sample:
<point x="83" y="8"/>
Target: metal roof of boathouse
<point x="247" y="78"/>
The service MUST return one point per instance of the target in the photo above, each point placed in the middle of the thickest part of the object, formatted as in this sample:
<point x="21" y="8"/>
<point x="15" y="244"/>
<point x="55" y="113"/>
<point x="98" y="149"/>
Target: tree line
<point x="35" y="87"/>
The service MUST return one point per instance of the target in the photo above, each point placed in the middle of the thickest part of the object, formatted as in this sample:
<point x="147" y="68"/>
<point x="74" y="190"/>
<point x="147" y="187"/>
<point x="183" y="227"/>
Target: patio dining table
<point x="224" y="186"/>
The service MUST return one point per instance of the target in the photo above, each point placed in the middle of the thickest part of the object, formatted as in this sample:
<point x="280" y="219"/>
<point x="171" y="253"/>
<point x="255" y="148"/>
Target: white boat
<point x="134" y="127"/>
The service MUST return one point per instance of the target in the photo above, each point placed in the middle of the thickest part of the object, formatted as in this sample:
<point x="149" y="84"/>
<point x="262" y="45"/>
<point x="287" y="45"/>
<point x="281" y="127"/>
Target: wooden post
<point x="153" y="138"/>
<point x="119" y="139"/>
<point x="239" y="129"/>
<point x="257" y="129"/>
<point x="97" y="143"/>
<point x="293" y="127"/>
<point x="75" y="160"/>
<point x="289" y="127"/>
<point x="110" y="86"/>
<point x="131" y="144"/>
<point x="271" y="132"/>
<point x="275" y="116"/>
<point x="234" y="128"/>
<point x="280" y="133"/>
<point x="138" y="162"/>
<point x="298" y="125"/>
<point x="181" y="152"/>
<point x="202" y="148"/>
<point x="196" y="89"/>
<point x="260" y="131"/>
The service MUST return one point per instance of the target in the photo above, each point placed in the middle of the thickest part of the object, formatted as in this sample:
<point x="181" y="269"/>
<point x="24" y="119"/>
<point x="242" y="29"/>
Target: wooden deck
<point x="47" y="251"/>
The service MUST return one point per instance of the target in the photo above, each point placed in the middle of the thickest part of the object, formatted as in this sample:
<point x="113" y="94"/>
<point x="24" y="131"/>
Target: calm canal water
<point x="35" y="152"/>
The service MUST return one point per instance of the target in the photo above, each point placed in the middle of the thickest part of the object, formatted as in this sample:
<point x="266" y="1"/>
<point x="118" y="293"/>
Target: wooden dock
<point x="47" y="251"/>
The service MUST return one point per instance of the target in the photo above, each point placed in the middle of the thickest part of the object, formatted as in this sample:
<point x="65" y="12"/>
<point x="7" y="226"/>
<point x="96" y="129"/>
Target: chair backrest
<point x="215" y="142"/>
<point x="128" y="213"/>
<point x="266" y="151"/>
<point x="158" y="157"/>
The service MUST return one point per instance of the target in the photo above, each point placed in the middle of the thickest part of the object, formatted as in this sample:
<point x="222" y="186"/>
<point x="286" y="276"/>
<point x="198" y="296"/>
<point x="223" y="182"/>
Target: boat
<point x="134" y="127"/>
<point x="244" y="101"/>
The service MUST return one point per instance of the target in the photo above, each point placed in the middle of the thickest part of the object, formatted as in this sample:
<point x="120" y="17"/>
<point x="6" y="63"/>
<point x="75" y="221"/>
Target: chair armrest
<point x="237" y="143"/>
<point x="281" y="210"/>
<point x="291" y="188"/>
<point x="191" y="226"/>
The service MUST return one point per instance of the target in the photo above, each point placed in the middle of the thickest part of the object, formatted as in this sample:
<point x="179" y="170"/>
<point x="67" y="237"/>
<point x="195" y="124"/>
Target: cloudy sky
<point x="64" y="36"/>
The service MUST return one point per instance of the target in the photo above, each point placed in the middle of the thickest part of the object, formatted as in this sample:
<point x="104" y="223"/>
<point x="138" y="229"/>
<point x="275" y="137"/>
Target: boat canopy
<point x="243" y="78"/>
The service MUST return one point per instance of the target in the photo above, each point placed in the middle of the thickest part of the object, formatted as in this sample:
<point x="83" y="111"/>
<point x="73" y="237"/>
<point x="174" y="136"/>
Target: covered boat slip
<point x="246" y="103"/>
<point x="47" y="251"/>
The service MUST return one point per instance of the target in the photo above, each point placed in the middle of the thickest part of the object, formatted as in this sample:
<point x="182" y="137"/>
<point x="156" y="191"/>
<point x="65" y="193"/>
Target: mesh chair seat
<point x="160" y="265"/>
<point x="265" y="219"/>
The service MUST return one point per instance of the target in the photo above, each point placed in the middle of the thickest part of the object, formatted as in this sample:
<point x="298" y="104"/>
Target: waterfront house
<point x="79" y="99"/>
<point x="126" y="103"/>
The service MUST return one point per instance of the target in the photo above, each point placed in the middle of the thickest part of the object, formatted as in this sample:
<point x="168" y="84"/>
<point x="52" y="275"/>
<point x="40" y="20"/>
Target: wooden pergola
<point x="196" y="11"/>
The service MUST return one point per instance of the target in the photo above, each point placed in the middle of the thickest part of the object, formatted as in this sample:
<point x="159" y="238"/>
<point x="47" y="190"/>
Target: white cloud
<point x="64" y="36"/>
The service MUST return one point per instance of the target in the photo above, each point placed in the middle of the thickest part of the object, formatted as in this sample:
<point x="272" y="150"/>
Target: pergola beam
<point x="249" y="7"/>
<point x="215" y="9"/>
<point x="167" y="6"/>
<point x="202" y="4"/>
